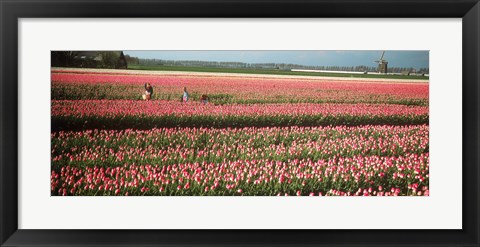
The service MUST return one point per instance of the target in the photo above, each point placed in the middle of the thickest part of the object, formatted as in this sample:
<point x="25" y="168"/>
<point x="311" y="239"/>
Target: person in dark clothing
<point x="148" y="91"/>
<point x="204" y="99"/>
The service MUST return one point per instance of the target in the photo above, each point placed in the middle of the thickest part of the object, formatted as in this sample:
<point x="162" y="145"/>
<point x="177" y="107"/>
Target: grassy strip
<point x="272" y="72"/>
<point x="60" y="123"/>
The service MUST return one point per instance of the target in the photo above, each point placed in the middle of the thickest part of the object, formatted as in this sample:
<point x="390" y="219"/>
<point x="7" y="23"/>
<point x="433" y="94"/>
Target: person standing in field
<point x="204" y="99"/>
<point x="185" y="95"/>
<point x="148" y="91"/>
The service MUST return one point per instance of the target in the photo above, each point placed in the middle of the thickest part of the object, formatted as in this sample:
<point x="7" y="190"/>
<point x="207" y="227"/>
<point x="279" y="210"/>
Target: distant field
<point x="271" y="72"/>
<point x="224" y="89"/>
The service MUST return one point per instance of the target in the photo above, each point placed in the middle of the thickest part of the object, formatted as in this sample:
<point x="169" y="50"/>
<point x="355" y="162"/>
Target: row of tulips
<point x="129" y="92"/>
<point x="168" y="146"/>
<point x="107" y="114"/>
<point x="113" y="108"/>
<point x="338" y="176"/>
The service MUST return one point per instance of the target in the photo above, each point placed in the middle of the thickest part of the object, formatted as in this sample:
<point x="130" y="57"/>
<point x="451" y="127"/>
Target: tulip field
<point x="256" y="136"/>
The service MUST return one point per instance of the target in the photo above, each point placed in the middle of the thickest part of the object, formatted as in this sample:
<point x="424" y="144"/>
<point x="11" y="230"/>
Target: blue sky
<point x="415" y="59"/>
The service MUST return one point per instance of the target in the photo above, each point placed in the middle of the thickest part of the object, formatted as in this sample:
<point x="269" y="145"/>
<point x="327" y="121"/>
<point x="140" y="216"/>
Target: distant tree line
<point x="279" y="66"/>
<point x="132" y="60"/>
<point x="87" y="59"/>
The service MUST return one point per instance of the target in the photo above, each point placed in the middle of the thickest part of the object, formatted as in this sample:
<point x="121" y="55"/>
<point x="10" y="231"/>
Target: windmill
<point x="382" y="64"/>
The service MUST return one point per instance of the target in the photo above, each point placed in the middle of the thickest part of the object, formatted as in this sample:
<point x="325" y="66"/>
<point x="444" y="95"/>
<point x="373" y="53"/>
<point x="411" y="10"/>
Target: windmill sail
<point x="382" y="64"/>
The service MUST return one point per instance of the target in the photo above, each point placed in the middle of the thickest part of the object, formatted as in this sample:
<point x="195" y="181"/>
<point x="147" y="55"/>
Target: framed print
<point x="263" y="123"/>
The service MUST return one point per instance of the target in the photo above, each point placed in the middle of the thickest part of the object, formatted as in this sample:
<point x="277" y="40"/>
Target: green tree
<point x="63" y="58"/>
<point x="109" y="59"/>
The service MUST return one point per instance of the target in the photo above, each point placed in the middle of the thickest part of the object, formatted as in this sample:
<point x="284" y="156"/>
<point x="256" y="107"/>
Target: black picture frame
<point x="12" y="10"/>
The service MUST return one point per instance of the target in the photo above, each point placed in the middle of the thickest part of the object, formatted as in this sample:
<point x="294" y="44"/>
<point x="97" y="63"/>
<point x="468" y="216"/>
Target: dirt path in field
<point x="187" y="73"/>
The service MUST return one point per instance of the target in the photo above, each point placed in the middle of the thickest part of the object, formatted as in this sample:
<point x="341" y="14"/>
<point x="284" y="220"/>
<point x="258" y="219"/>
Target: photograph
<point x="239" y="123"/>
